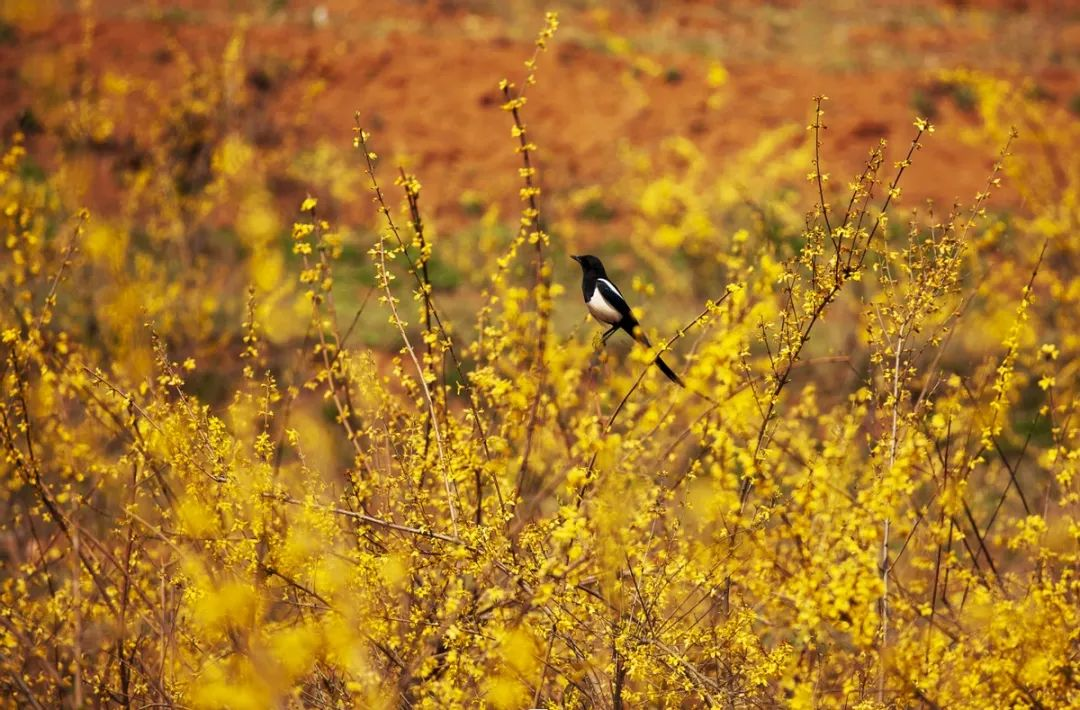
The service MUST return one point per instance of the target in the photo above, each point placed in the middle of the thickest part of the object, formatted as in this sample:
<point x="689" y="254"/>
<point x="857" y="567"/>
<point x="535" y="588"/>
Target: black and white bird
<point x="607" y="305"/>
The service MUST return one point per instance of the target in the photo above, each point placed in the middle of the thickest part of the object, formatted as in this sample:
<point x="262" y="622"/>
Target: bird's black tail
<point x="637" y="333"/>
<point x="669" y="372"/>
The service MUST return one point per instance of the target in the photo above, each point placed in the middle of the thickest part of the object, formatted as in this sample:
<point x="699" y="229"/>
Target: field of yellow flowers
<point x="257" y="455"/>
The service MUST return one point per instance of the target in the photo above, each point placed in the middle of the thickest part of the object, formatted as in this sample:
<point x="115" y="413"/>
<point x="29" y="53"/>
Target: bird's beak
<point x="576" y="258"/>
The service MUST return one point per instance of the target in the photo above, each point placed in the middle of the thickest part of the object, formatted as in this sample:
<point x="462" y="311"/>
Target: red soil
<point x="423" y="77"/>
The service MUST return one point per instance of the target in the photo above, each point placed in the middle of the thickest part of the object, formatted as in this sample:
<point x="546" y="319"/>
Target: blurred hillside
<point x="423" y="77"/>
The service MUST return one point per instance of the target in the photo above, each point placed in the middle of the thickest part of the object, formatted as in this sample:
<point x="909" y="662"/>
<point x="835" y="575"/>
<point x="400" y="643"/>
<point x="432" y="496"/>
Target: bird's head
<point x="589" y="263"/>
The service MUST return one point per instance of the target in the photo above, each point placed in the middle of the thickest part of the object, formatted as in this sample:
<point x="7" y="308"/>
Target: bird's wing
<point x="612" y="295"/>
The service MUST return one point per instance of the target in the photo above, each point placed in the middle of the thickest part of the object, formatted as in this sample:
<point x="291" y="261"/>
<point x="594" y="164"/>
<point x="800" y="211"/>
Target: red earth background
<point x="423" y="75"/>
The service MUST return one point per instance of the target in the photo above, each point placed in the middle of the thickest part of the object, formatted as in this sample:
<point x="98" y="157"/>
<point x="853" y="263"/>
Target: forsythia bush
<point x="868" y="496"/>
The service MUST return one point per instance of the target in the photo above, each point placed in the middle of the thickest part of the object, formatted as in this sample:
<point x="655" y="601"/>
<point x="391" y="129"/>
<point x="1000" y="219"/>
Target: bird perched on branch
<point x="607" y="305"/>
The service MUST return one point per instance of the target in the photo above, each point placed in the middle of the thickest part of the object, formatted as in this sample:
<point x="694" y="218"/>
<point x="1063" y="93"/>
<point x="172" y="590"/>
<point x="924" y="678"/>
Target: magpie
<point x="607" y="305"/>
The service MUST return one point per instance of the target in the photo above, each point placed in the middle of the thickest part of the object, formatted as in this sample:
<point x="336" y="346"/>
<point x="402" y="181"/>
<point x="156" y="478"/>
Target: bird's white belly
<point x="602" y="310"/>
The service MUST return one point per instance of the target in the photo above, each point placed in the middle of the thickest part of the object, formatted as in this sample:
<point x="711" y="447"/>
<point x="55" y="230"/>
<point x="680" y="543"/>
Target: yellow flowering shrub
<point x="867" y="495"/>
